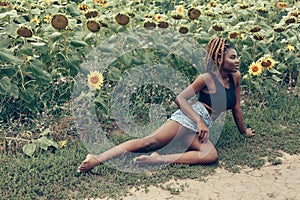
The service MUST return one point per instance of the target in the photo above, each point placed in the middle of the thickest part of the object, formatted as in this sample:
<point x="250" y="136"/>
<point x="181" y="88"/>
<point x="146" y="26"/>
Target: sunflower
<point x="233" y="34"/>
<point x="194" y="13"/>
<point x="105" y="4"/>
<point x="279" y="28"/>
<point x="122" y="19"/>
<point x="158" y="17"/>
<point x="59" y="21"/>
<point x="255" y="68"/>
<point x="24" y="32"/>
<point x="95" y="79"/>
<point x="282" y="5"/>
<point x="267" y="62"/>
<point x="92" y="13"/>
<point x="290" y="47"/>
<point x="255" y="29"/>
<point x="5" y="4"/>
<point x="149" y="25"/>
<point x="83" y="7"/>
<point x="217" y="27"/>
<point x="290" y="20"/>
<point x="163" y="24"/>
<point x="244" y="6"/>
<point x="93" y="26"/>
<point x="183" y="30"/>
<point x="211" y="5"/>
<point x="262" y="10"/>
<point x="258" y="37"/>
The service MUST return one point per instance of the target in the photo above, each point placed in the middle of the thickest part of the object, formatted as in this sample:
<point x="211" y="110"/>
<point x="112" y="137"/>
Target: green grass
<point x="53" y="175"/>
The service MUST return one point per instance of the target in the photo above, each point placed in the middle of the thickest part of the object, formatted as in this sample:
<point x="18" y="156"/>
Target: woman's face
<point x="231" y="61"/>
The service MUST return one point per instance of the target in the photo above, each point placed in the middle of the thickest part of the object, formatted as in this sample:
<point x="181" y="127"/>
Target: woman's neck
<point x="221" y="74"/>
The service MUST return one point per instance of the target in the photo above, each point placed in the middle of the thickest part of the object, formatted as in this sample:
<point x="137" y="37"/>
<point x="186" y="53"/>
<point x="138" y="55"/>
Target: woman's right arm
<point x="182" y="102"/>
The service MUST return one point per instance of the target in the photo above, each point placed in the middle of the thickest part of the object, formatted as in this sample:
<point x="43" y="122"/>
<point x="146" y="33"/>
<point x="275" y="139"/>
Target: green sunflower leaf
<point x="8" y="57"/>
<point x="78" y="43"/>
<point x="29" y="149"/>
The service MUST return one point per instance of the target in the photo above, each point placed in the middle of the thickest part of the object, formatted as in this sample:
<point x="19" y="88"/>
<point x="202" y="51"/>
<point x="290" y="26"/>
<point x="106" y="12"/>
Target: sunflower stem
<point x="22" y="78"/>
<point x="254" y="47"/>
<point x="15" y="138"/>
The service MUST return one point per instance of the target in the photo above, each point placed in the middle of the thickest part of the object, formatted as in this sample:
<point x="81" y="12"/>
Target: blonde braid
<point x="215" y="51"/>
<point x="221" y="53"/>
<point x="210" y="52"/>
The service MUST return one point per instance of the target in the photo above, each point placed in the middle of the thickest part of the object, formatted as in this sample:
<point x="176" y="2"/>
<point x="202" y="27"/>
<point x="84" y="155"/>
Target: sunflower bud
<point x="59" y="21"/>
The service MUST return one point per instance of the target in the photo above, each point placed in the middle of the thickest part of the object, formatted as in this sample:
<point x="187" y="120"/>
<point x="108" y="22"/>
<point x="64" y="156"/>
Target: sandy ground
<point x="269" y="182"/>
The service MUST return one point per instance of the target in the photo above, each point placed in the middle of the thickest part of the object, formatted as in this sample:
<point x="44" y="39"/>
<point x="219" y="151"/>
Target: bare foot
<point x="154" y="158"/>
<point x="88" y="164"/>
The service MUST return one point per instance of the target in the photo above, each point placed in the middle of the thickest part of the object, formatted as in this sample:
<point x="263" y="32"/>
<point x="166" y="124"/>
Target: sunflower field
<point x="45" y="42"/>
<point x="59" y="54"/>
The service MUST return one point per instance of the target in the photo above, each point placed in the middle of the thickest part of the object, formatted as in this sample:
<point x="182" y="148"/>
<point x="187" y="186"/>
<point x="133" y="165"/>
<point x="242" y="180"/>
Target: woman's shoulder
<point x="237" y="77"/>
<point x="206" y="77"/>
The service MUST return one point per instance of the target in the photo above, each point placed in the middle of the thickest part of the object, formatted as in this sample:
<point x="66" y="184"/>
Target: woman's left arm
<point x="237" y="112"/>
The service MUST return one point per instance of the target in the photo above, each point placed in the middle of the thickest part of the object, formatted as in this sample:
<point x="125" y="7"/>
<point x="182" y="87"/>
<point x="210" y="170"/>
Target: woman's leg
<point x="198" y="153"/>
<point x="162" y="136"/>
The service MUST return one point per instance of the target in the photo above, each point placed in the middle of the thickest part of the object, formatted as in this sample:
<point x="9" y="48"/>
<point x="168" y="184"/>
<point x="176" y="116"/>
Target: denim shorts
<point x="185" y="121"/>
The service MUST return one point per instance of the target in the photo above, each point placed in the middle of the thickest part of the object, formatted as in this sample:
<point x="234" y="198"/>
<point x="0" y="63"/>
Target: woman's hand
<point x="250" y="132"/>
<point x="203" y="132"/>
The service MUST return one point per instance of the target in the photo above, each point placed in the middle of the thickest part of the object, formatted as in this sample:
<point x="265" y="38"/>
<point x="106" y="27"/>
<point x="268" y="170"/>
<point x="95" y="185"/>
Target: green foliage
<point x="40" y="60"/>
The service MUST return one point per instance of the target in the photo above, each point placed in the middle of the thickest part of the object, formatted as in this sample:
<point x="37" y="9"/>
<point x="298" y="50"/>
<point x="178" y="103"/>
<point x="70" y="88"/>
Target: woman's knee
<point x="213" y="156"/>
<point x="208" y="157"/>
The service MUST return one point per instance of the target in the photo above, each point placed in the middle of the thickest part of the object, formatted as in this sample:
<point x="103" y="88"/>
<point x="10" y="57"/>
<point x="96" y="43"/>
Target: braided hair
<point x="215" y="52"/>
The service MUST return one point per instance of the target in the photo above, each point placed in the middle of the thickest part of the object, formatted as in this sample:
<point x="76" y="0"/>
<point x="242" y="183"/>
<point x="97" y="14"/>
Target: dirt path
<point x="279" y="182"/>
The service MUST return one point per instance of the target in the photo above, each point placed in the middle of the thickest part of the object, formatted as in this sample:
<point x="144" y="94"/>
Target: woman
<point x="219" y="90"/>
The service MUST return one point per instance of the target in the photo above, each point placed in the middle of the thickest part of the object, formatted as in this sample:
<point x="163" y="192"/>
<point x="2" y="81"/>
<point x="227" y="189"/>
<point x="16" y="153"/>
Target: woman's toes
<point x="89" y="163"/>
<point x="154" y="158"/>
